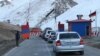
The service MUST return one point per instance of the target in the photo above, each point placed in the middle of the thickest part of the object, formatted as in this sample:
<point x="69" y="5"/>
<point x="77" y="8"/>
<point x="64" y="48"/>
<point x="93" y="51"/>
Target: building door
<point x="87" y="30"/>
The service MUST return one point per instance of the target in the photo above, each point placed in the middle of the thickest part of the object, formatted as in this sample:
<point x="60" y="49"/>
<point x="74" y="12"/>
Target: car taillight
<point x="81" y="42"/>
<point x="50" y="36"/>
<point x="58" y="43"/>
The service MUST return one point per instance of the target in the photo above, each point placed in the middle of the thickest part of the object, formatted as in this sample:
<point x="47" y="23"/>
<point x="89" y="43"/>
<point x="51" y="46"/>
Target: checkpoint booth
<point x="82" y="26"/>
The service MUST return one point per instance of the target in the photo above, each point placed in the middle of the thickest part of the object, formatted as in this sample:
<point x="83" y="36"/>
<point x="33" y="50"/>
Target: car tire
<point x="54" y="49"/>
<point x="81" y="52"/>
<point x="57" y="54"/>
<point x="45" y="39"/>
<point x="49" y="41"/>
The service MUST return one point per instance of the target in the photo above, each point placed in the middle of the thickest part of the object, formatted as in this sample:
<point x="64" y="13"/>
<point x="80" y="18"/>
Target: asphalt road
<point x="89" y="51"/>
<point x="38" y="47"/>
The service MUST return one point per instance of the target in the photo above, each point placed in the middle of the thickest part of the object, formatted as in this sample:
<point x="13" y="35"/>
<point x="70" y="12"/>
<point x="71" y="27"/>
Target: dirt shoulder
<point x="93" y="41"/>
<point x="7" y="45"/>
<point x="7" y="36"/>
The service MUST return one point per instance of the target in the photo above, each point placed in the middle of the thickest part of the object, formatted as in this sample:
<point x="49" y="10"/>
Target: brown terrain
<point x="7" y="37"/>
<point x="93" y="41"/>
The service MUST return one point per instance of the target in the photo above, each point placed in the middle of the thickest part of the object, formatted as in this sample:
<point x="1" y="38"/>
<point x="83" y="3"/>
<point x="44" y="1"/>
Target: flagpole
<point x="94" y="14"/>
<point x="90" y="13"/>
<point x="96" y="22"/>
<point x="28" y="11"/>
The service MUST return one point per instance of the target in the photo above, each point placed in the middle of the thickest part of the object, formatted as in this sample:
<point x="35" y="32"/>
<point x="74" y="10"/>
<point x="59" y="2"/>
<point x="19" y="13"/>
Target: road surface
<point x="36" y="46"/>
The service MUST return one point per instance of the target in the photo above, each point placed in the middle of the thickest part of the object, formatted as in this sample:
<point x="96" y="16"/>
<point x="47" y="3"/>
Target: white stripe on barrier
<point x="35" y="33"/>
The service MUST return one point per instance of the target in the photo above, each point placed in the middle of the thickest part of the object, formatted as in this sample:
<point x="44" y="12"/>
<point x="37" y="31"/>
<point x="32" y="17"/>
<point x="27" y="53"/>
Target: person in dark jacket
<point x="17" y="38"/>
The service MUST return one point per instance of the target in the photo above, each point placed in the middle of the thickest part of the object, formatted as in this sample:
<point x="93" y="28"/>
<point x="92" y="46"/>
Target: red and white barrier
<point x="35" y="33"/>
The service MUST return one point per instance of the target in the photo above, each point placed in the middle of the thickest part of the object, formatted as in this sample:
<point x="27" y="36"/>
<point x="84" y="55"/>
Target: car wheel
<point x="54" y="50"/>
<point x="57" y="54"/>
<point x="45" y="39"/>
<point x="49" y="41"/>
<point x="81" y="52"/>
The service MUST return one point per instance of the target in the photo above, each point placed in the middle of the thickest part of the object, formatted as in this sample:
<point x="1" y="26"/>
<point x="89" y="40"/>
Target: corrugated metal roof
<point x="81" y="20"/>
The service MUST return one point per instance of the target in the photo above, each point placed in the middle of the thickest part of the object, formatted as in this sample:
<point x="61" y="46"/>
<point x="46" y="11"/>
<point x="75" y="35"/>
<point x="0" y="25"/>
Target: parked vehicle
<point x="52" y="36"/>
<point x="68" y="42"/>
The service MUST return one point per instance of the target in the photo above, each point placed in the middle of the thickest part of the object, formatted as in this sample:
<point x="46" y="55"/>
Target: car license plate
<point x="67" y="43"/>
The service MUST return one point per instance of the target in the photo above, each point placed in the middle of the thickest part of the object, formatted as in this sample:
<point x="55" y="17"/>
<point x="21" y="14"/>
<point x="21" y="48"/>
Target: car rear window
<point x="53" y="33"/>
<point x="49" y="31"/>
<point x="68" y="35"/>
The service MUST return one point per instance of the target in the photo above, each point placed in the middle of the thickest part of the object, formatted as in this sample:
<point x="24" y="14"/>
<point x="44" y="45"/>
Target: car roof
<point x="65" y="32"/>
<point x="49" y="30"/>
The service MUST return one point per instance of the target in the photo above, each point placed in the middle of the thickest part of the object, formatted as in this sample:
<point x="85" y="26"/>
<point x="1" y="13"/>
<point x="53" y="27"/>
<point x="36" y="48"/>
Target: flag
<point x="25" y="31"/>
<point x="92" y="14"/>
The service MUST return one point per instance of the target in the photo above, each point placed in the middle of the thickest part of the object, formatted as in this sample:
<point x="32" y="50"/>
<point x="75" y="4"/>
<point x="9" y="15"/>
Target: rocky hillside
<point x="7" y="31"/>
<point x="63" y="5"/>
<point x="60" y="7"/>
<point x="7" y="37"/>
<point x="4" y="2"/>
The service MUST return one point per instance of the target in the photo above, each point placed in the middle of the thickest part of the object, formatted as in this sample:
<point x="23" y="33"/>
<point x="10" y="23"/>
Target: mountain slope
<point x="19" y="10"/>
<point x="84" y="7"/>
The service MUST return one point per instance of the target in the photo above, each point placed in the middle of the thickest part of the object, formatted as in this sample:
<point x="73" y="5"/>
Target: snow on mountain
<point x="84" y="7"/>
<point x="5" y="10"/>
<point x="17" y="12"/>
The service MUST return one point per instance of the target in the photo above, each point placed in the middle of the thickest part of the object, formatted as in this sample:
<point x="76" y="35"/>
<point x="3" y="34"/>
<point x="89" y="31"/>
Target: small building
<point x="61" y="27"/>
<point x="82" y="26"/>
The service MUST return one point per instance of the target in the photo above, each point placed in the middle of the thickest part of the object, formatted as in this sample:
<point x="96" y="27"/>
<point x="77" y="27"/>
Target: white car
<point x="48" y="34"/>
<point x="51" y="37"/>
<point x="68" y="42"/>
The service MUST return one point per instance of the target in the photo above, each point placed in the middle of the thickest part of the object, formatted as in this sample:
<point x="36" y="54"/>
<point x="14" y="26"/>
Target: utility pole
<point x="96" y="24"/>
<point x="28" y="11"/>
<point x="55" y="16"/>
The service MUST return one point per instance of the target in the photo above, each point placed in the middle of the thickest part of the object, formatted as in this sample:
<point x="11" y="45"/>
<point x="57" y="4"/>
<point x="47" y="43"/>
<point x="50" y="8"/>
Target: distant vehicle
<point x="52" y="36"/>
<point x="68" y="42"/>
<point x="48" y="28"/>
<point x="44" y="32"/>
<point x="47" y="34"/>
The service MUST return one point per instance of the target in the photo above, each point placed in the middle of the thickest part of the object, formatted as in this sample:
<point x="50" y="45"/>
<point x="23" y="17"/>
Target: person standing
<point x="17" y="38"/>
